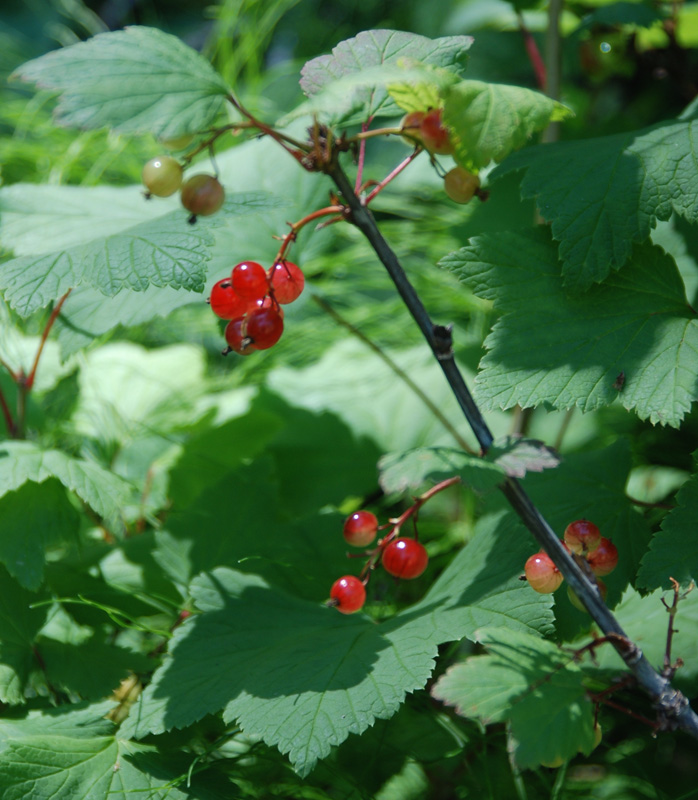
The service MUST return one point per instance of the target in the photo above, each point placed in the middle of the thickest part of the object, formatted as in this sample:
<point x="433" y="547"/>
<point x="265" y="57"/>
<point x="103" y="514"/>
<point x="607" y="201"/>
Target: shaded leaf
<point x="304" y="677"/>
<point x="572" y="349"/>
<point x="35" y="517"/>
<point x="488" y="120"/>
<point x="529" y="682"/>
<point x="673" y="551"/>
<point x="99" y="488"/>
<point x="409" y="470"/>
<point x="19" y="625"/>
<point x="138" y="80"/>
<point x="603" y="195"/>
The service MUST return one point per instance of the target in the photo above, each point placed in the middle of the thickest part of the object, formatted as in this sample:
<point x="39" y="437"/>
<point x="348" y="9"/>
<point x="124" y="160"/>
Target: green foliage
<point x="573" y="349"/>
<point x="139" y="80"/>
<point x="172" y="521"/>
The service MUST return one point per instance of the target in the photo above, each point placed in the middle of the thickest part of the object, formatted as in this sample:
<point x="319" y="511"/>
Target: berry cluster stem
<point x="296" y="227"/>
<point x="673" y="707"/>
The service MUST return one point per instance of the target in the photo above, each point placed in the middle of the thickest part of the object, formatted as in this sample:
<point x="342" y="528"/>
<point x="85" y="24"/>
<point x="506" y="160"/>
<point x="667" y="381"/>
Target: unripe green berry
<point x="162" y="176"/>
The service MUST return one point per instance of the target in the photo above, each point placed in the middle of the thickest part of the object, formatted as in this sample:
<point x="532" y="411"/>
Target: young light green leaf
<point x="166" y="251"/>
<point x="634" y="339"/>
<point x="488" y="120"/>
<point x="138" y="80"/>
<point x="303" y="676"/>
<point x="19" y="625"/>
<point x="531" y="683"/>
<point x="673" y="551"/>
<point x="368" y="51"/>
<point x="517" y="456"/>
<point x="603" y="195"/>
<point x="411" y="469"/>
<point x="102" y="490"/>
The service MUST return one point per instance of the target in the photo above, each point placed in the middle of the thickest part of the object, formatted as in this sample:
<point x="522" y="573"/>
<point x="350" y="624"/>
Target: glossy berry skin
<point x="162" y="176"/>
<point x="236" y="337"/>
<point x="405" y="558"/>
<point x="604" y="559"/>
<point x="264" y="327"/>
<point x="542" y="574"/>
<point x="287" y="281"/>
<point x="461" y="185"/>
<point x="360" y="528"/>
<point x="348" y="594"/>
<point x="225" y="303"/>
<point x="582" y="536"/>
<point x="250" y="280"/>
<point x="265" y="302"/>
<point x="202" y="195"/>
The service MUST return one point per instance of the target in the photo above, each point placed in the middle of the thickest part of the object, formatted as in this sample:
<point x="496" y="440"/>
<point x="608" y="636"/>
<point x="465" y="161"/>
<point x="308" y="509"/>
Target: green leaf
<point x="603" y="195"/>
<point x="91" y="669"/>
<point x="79" y="721"/>
<point x="166" y="251"/>
<point x="99" y="488"/>
<point x="673" y="551"/>
<point x="19" y="625"/>
<point x="366" y="53"/>
<point x="90" y="314"/>
<point x="139" y="80"/>
<point x="34" y="518"/>
<point x="488" y="120"/>
<point x="95" y="768"/>
<point x="517" y="456"/>
<point x="411" y="469"/>
<point x="529" y="682"/>
<point x="37" y="219"/>
<point x="573" y="349"/>
<point x="302" y="676"/>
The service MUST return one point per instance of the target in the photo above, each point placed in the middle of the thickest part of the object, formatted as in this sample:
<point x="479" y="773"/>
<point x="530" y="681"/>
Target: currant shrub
<point x="460" y="185"/>
<point x="604" y="559"/>
<point x="542" y="574"/>
<point x="250" y="280"/>
<point x="360" y="528"/>
<point x="202" y="195"/>
<point x="264" y="327"/>
<point x="287" y="281"/>
<point x="348" y="594"/>
<point x="405" y="558"/>
<point x="162" y="176"/>
<point x="225" y="303"/>
<point x="582" y="536"/>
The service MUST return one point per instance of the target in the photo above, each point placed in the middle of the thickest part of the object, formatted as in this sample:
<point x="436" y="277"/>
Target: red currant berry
<point x="237" y="337"/>
<point x="582" y="536"/>
<point x="604" y="559"/>
<point x="542" y="574"/>
<point x="435" y="137"/>
<point x="405" y="558"/>
<point x="250" y="280"/>
<point x="360" y="528"/>
<point x="224" y="302"/>
<point x="202" y="195"/>
<point x="264" y="327"/>
<point x="348" y="594"/>
<point x="287" y="281"/>
<point x="460" y="185"/>
<point x="265" y="302"/>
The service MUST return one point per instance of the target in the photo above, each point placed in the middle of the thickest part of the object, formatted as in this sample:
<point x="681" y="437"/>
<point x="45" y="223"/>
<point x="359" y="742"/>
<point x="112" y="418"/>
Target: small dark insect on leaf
<point x="619" y="382"/>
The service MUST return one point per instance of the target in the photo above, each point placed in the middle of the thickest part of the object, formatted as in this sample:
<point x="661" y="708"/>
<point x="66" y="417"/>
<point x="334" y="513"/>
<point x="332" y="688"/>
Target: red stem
<point x="392" y="175"/>
<point x="289" y="238"/>
<point x="7" y="414"/>
<point x="533" y="54"/>
<point x="362" y="157"/>
<point x="29" y="380"/>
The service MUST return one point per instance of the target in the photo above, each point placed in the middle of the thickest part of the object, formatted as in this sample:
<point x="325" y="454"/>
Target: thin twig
<point x="404" y="163"/>
<point x="7" y="415"/>
<point x="672" y="706"/>
<point x="435" y="410"/>
<point x="534" y="55"/>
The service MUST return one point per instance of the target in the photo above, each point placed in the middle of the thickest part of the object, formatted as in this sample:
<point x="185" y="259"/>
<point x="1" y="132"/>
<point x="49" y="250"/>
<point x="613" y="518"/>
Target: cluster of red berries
<point x="251" y="299"/>
<point x="584" y="540"/>
<point x="426" y="129"/>
<point x="201" y="194"/>
<point x="400" y="556"/>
